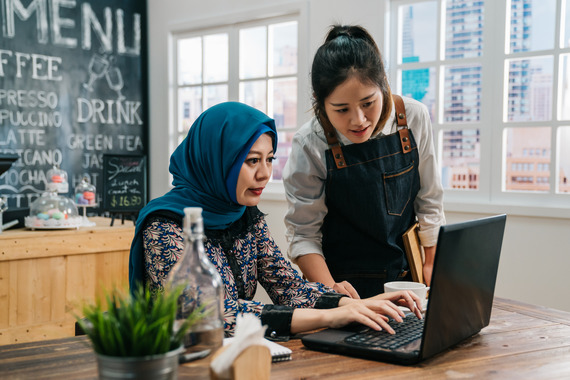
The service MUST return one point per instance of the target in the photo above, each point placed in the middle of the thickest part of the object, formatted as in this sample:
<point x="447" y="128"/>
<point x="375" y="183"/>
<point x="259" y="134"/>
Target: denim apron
<point x="370" y="192"/>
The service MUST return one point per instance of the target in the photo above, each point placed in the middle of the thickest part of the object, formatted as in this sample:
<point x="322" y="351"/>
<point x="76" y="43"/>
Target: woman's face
<point x="354" y="109"/>
<point x="255" y="171"/>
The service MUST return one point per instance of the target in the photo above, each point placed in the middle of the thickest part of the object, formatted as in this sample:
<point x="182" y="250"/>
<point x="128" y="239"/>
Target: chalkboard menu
<point x="124" y="183"/>
<point x="74" y="88"/>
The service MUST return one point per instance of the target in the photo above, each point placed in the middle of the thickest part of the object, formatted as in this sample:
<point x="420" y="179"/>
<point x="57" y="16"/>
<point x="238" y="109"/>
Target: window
<point x="255" y="63"/>
<point x="202" y="77"/>
<point x="495" y="76"/>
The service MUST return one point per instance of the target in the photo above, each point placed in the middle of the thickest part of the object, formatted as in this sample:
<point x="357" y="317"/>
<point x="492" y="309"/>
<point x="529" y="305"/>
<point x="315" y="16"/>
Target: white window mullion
<point x="269" y="73"/>
<point x="303" y="59"/>
<point x="203" y="47"/>
<point x="493" y="98"/>
<point x="233" y="70"/>
<point x="554" y="146"/>
<point x="173" y="95"/>
<point x="391" y="55"/>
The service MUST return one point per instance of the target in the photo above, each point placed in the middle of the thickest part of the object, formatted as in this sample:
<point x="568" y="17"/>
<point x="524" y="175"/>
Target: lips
<point x="257" y="191"/>
<point x="359" y="132"/>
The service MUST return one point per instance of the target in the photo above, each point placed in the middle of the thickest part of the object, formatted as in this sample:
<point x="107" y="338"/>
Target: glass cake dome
<point x="85" y="193"/>
<point x="53" y="211"/>
<point x="57" y="180"/>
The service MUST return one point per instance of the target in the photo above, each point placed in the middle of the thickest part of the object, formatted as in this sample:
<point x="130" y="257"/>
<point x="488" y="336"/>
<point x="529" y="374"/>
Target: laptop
<point x="459" y="305"/>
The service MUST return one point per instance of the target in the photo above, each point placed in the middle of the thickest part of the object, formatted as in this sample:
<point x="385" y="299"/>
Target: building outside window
<point x="495" y="77"/>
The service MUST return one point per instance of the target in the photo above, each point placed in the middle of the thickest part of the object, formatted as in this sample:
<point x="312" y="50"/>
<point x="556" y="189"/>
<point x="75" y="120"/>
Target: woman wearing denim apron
<point x="360" y="173"/>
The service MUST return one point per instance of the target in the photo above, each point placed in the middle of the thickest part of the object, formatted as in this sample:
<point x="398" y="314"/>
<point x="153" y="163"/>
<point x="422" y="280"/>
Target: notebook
<point x="414" y="253"/>
<point x="279" y="353"/>
<point x="460" y="300"/>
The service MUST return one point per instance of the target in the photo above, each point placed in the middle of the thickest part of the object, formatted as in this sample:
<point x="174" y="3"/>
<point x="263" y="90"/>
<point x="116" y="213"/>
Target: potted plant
<point x="135" y="335"/>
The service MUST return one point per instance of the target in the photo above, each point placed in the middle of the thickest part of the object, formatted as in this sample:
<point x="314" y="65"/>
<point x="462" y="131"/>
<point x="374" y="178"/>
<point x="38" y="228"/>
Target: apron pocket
<point x="397" y="189"/>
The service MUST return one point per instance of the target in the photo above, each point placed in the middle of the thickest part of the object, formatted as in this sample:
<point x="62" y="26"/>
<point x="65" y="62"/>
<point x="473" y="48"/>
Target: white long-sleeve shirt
<point x="305" y="174"/>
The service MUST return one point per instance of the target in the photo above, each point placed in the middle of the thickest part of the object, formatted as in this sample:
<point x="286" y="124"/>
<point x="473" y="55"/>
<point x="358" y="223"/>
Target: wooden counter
<point x="521" y="342"/>
<point x="47" y="275"/>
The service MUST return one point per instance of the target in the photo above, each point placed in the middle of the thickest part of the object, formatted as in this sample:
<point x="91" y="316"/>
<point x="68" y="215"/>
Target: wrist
<point x="310" y="319"/>
<point x="345" y="300"/>
<point x="326" y="318"/>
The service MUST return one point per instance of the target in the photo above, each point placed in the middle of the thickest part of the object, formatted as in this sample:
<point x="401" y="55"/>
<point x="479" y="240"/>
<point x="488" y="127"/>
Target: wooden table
<point x="47" y="275"/>
<point x="522" y="342"/>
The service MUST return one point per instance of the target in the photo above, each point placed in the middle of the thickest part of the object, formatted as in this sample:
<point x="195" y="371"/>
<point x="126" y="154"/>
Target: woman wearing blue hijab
<point x="222" y="166"/>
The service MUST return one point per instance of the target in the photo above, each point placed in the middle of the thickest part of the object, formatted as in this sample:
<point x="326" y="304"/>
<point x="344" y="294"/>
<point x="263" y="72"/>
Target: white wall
<point x="536" y="250"/>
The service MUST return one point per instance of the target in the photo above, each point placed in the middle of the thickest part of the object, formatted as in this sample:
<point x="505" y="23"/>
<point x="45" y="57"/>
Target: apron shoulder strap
<point x="400" y="111"/>
<point x="402" y="123"/>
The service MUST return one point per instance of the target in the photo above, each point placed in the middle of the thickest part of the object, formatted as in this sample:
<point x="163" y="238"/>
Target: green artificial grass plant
<point x="138" y="324"/>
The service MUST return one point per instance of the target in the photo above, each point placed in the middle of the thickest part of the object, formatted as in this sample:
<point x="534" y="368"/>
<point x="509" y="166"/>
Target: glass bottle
<point x="203" y="288"/>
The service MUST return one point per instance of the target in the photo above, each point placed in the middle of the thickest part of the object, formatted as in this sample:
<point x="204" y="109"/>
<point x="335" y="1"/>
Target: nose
<point x="358" y="117"/>
<point x="264" y="171"/>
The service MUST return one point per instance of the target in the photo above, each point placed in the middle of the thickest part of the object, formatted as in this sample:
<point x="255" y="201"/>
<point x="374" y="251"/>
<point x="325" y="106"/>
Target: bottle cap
<point x="192" y="217"/>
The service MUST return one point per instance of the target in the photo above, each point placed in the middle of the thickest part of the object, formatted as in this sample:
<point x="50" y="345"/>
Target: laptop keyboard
<point x="408" y="330"/>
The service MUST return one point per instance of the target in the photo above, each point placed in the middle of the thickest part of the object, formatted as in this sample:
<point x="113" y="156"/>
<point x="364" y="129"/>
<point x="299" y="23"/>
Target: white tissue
<point x="248" y="332"/>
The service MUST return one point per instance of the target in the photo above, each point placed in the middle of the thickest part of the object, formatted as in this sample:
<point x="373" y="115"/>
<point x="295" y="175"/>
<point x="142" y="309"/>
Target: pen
<point x="185" y="358"/>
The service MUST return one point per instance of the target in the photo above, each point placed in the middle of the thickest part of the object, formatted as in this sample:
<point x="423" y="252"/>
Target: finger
<point x="389" y="309"/>
<point x="412" y="302"/>
<point x="341" y="289"/>
<point x="351" y="291"/>
<point x="419" y="305"/>
<point x="384" y="325"/>
<point x="396" y="313"/>
<point x="375" y="321"/>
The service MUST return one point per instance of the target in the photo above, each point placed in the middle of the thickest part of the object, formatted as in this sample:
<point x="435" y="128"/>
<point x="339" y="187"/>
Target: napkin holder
<point x="253" y="363"/>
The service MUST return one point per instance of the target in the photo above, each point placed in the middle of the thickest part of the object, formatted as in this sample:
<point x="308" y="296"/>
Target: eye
<point x="271" y="159"/>
<point x="252" y="161"/>
<point x="341" y="110"/>
<point x="368" y="104"/>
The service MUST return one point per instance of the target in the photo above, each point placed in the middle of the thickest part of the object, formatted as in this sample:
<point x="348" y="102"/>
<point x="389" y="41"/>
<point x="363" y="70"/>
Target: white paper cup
<point x="418" y="288"/>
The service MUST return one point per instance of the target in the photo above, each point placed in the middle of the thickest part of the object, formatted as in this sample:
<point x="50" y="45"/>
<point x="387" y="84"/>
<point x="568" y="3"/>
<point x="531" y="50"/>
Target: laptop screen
<point x="465" y="272"/>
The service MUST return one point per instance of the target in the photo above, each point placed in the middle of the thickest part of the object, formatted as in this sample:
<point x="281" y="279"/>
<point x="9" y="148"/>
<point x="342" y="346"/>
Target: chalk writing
<point x="124" y="183"/>
<point x="72" y="90"/>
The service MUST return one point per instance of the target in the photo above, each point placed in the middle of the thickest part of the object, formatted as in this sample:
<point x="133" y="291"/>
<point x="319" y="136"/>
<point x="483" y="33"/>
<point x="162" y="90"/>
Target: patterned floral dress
<point x="244" y="254"/>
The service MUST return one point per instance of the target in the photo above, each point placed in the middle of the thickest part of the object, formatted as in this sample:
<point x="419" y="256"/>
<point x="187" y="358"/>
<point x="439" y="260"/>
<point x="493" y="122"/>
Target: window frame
<point x="175" y="136"/>
<point x="489" y="198"/>
<point x="231" y="24"/>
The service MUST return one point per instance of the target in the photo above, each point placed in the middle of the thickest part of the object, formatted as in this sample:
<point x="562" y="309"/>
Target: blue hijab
<point x="205" y="168"/>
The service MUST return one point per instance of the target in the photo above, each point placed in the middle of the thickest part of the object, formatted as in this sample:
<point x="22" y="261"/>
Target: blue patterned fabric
<point x="259" y="260"/>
